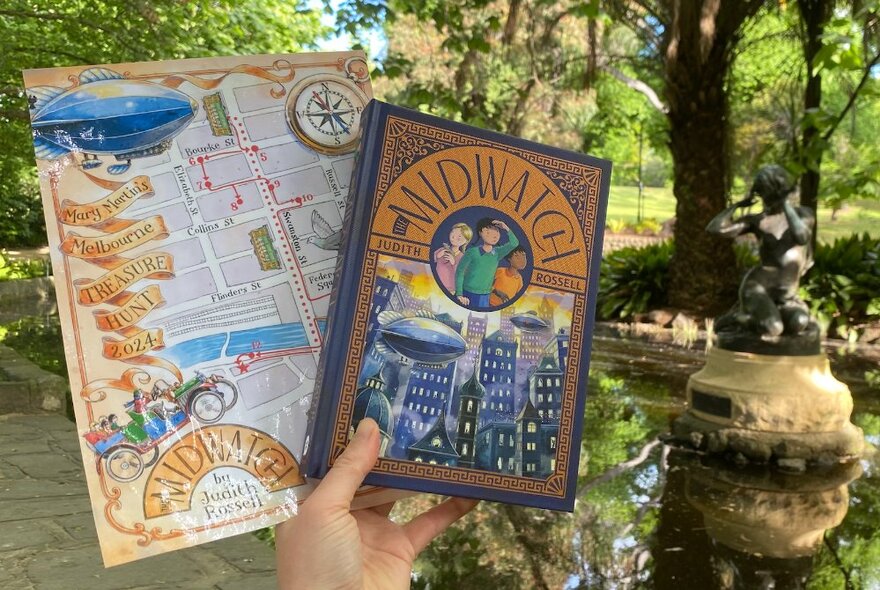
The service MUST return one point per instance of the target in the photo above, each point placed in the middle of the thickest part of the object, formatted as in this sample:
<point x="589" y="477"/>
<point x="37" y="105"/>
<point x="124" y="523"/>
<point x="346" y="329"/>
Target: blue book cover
<point x="463" y="309"/>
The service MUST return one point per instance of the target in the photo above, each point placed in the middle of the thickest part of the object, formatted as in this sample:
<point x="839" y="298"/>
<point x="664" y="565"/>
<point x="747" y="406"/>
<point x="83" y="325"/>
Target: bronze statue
<point x="769" y="306"/>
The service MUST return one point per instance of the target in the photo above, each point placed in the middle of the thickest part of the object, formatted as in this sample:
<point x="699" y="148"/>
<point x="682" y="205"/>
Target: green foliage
<point x="853" y="173"/>
<point x="634" y="280"/>
<point x="616" y="226"/>
<point x="648" y="227"/>
<point x="458" y="560"/>
<point x="767" y="101"/>
<point x="611" y="424"/>
<point x="746" y="256"/>
<point x="621" y="122"/>
<point x="645" y="227"/>
<point x="765" y="93"/>
<point x="519" y="68"/>
<point x="869" y="423"/>
<point x="843" y="286"/>
<point x="872" y="378"/>
<point x="50" y="33"/>
<point x="39" y="340"/>
<point x="266" y="535"/>
<point x="22" y="268"/>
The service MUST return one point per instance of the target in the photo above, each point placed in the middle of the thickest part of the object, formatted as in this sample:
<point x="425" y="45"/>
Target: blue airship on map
<point x="529" y="322"/>
<point x="421" y="338"/>
<point x="107" y="115"/>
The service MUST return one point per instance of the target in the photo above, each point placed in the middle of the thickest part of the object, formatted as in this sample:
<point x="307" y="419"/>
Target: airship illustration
<point x="107" y="115"/>
<point x="529" y="322"/>
<point x="422" y="338"/>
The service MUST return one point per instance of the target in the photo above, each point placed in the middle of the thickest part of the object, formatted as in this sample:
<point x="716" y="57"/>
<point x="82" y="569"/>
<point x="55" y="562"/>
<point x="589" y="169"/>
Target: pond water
<point x="694" y="522"/>
<point x="649" y="515"/>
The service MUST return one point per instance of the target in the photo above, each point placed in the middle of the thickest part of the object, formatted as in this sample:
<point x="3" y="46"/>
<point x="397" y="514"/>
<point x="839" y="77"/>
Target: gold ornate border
<point x="405" y="143"/>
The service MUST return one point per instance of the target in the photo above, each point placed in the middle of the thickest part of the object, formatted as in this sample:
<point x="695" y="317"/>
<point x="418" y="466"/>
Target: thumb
<point x="338" y="487"/>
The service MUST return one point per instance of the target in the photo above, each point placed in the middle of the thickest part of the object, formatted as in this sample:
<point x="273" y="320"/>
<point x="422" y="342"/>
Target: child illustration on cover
<point x="448" y="257"/>
<point x="475" y="273"/>
<point x="508" y="280"/>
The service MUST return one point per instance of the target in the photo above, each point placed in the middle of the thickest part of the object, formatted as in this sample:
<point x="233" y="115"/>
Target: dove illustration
<point x="325" y="238"/>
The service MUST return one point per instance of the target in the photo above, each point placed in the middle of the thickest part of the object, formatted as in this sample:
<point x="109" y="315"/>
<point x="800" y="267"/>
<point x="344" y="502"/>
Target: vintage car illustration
<point x="127" y="450"/>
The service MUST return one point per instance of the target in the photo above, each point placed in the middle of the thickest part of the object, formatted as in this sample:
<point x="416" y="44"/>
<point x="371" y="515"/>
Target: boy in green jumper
<point x="475" y="273"/>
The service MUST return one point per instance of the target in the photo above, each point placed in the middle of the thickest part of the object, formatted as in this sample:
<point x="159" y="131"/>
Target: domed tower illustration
<point x="371" y="401"/>
<point x="471" y="394"/>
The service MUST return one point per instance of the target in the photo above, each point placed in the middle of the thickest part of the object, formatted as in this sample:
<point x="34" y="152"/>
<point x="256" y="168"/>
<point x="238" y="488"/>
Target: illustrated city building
<point x="496" y="408"/>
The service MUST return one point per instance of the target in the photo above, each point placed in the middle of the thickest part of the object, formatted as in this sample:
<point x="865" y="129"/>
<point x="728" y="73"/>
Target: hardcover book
<point x="463" y="313"/>
<point x="193" y="210"/>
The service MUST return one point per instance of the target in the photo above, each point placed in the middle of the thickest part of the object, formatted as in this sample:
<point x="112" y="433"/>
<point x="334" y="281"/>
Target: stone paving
<point x="47" y="534"/>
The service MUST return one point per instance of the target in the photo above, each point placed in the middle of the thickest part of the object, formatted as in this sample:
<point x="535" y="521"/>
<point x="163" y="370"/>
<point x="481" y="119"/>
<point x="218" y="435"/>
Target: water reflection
<point x="763" y="526"/>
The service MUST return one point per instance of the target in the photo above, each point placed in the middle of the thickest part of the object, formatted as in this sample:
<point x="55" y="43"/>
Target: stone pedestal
<point x="789" y="409"/>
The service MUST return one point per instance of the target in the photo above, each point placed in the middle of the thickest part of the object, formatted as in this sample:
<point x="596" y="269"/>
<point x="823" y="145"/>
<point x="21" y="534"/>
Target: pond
<point x="652" y="516"/>
<point x="649" y="515"/>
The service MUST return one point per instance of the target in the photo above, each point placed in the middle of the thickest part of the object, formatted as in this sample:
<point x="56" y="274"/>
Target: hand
<point x="329" y="546"/>
<point x="449" y="257"/>
<point x="464" y="300"/>
<point x="501" y="224"/>
<point x="747" y="202"/>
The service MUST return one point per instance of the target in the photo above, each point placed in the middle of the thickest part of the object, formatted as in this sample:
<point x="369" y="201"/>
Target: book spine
<point x="321" y="415"/>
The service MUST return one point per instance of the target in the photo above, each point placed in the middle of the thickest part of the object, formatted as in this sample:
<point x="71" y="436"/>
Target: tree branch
<point x="512" y="22"/>
<point x="53" y="51"/>
<point x="852" y="97"/>
<point x="639" y="86"/>
<point x="531" y="549"/>
<point x="846" y="574"/>
<point x="620" y="468"/>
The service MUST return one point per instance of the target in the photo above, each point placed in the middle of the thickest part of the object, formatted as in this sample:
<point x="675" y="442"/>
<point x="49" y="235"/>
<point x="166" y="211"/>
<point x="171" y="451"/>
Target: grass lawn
<point x="623" y="203"/>
<point x="857" y="217"/>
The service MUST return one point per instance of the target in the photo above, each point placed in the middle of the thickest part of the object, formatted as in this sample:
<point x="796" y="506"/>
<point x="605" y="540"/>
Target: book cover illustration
<point x="193" y="210"/>
<point x="465" y="306"/>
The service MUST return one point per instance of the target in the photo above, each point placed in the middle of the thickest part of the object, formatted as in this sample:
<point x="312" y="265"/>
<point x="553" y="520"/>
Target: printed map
<point x="194" y="210"/>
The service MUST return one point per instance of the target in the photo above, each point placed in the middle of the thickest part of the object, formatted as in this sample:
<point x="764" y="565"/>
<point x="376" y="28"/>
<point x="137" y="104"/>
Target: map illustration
<point x="193" y="210"/>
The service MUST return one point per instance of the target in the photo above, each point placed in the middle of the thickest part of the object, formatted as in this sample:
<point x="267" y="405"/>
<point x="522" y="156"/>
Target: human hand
<point x="501" y="224"/>
<point x="464" y="300"/>
<point x="327" y="545"/>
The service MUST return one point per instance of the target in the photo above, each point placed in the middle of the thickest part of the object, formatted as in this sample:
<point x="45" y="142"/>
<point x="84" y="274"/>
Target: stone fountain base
<point x="789" y="409"/>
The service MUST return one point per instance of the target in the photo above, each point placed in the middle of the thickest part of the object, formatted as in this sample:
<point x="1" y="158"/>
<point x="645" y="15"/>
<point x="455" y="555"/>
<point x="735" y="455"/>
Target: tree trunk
<point x="814" y="14"/>
<point x="699" y="50"/>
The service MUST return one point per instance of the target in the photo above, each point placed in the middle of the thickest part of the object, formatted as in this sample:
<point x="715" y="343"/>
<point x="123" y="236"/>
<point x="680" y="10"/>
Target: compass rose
<point x="324" y="113"/>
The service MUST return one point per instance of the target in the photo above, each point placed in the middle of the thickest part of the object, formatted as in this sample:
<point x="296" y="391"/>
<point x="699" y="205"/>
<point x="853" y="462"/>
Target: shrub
<point x="648" y="226"/>
<point x="843" y="286"/>
<point x="22" y="268"/>
<point x="616" y="226"/>
<point x="634" y="280"/>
